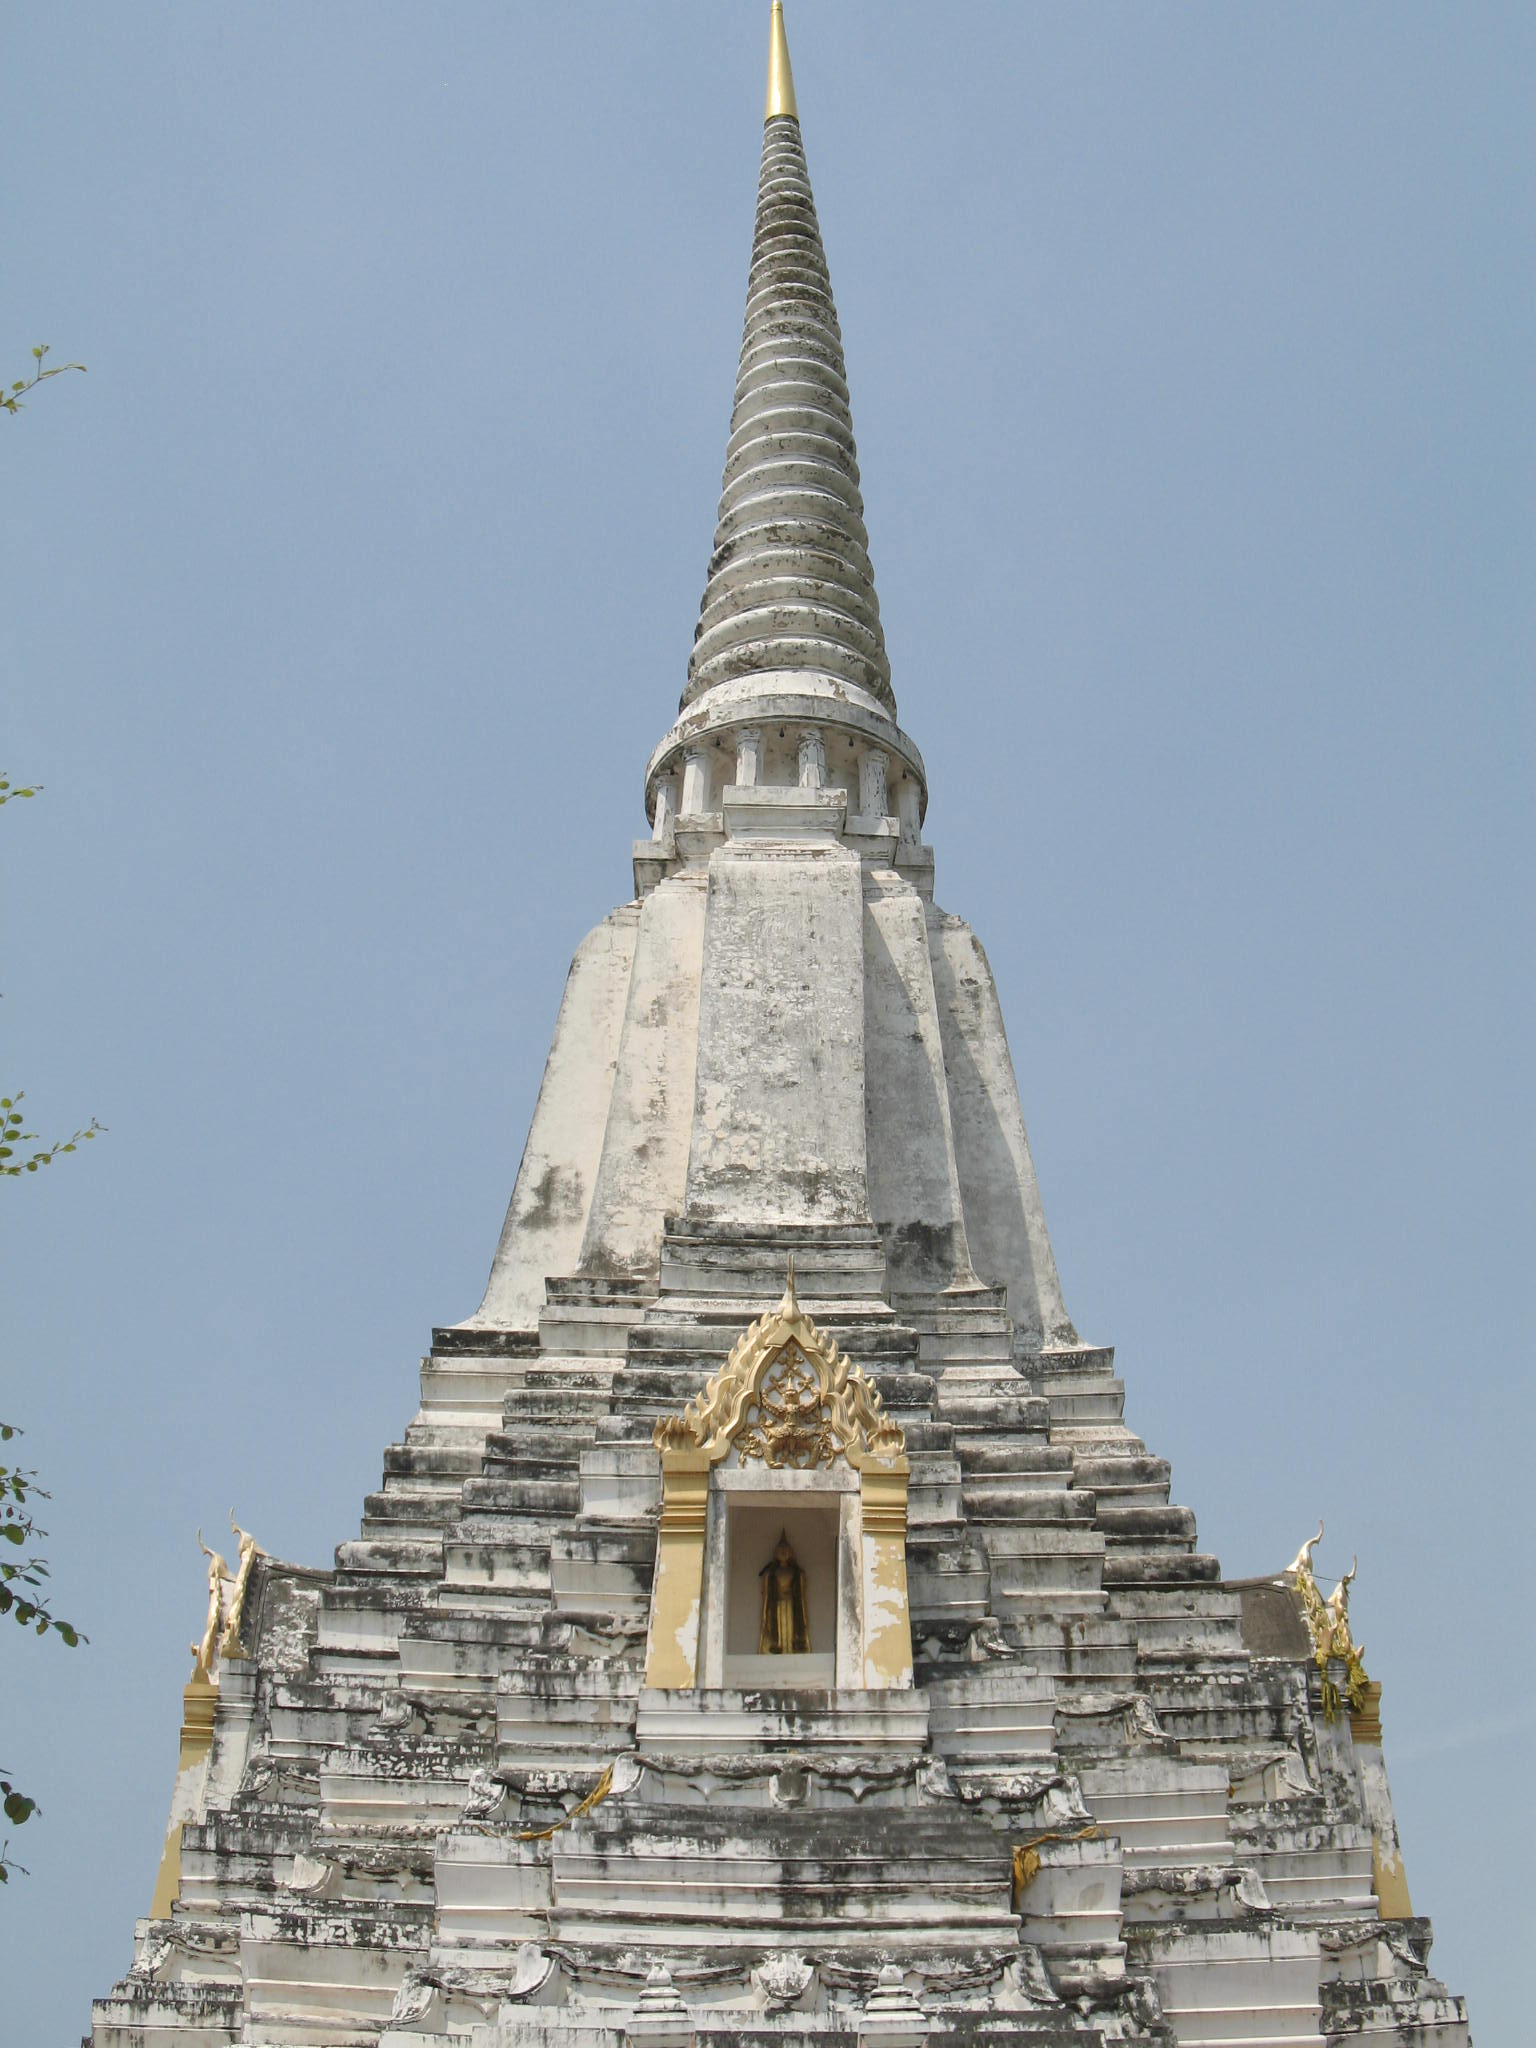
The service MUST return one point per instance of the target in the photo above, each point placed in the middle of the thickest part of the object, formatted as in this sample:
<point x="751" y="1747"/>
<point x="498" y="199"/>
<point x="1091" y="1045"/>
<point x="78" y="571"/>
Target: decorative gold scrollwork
<point x="789" y="1424"/>
<point x="788" y="1397"/>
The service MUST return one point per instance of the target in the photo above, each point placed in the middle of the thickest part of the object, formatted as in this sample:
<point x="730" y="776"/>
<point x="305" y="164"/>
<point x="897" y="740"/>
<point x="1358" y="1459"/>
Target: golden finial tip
<point x="781" y="80"/>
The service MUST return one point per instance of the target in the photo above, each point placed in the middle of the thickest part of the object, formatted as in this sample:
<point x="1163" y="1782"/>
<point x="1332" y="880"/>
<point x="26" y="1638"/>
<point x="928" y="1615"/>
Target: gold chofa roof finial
<point x="781" y="80"/>
<point x="790" y="1305"/>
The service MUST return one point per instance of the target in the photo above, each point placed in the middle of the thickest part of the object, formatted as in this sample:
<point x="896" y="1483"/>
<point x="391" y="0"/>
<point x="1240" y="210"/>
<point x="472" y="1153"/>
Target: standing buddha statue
<point x="785" y="1630"/>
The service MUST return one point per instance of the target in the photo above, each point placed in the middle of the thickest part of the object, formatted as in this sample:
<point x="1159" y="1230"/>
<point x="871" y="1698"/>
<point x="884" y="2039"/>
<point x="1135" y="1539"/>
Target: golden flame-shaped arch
<point x="787" y="1395"/>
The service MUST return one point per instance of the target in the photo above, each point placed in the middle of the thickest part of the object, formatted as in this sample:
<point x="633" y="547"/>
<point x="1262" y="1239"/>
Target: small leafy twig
<point x="21" y="1582"/>
<point x="6" y="791"/>
<point x="19" y="1809"/>
<point x="11" y="401"/>
<point x="18" y="1489"/>
<point x="12" y="1135"/>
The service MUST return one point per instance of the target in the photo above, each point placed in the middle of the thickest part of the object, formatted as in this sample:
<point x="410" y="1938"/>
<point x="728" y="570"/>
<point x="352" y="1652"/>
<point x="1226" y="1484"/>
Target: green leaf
<point x="19" y="1808"/>
<point x="13" y="1533"/>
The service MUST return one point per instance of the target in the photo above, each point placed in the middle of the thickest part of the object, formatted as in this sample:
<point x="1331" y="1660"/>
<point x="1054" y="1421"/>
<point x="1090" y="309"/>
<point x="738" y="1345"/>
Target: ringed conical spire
<point x="790" y="587"/>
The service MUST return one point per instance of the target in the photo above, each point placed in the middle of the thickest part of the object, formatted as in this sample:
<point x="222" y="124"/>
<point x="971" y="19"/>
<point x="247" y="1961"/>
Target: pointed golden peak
<point x="781" y="80"/>
<point x="790" y="1305"/>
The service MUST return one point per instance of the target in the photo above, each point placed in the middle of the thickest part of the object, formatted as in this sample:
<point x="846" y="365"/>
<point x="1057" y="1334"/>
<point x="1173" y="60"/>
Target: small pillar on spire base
<point x="666" y="807"/>
<point x="873" y="796"/>
<point x="695" y="782"/>
<point x="749" y="756"/>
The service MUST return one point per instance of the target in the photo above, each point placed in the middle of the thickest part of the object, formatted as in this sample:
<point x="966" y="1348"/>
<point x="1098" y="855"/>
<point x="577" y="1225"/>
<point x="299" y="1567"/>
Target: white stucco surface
<point x="645" y="1147"/>
<point x="914" y="1187"/>
<point x="553" y="1190"/>
<point x="1009" y="1244"/>
<point x="778" y="1121"/>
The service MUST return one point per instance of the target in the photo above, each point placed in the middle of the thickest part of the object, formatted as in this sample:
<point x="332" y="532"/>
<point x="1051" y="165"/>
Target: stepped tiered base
<point x="1097" y="1816"/>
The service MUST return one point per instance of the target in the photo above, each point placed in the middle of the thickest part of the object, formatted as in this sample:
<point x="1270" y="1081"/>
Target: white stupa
<point x="768" y="1630"/>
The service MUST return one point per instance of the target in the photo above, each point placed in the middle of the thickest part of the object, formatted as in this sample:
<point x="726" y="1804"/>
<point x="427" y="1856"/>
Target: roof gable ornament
<point x="788" y="1397"/>
<point x="1328" y="1626"/>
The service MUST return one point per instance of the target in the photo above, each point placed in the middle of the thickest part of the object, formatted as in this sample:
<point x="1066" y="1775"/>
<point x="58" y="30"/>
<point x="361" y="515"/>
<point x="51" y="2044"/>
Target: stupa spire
<point x="790" y="587"/>
<point x="788" y="682"/>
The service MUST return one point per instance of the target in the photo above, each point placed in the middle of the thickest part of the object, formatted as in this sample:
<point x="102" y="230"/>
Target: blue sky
<point x="346" y="594"/>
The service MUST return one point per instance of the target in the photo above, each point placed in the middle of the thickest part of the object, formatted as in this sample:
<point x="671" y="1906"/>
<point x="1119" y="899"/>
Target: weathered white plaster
<point x="872" y="794"/>
<point x="778" y="1123"/>
<point x="644" y="1152"/>
<point x="696" y="781"/>
<point x="553" y="1190"/>
<point x="909" y="803"/>
<point x="749" y="756"/>
<point x="1006" y="1232"/>
<point x="1220" y="1985"/>
<point x="914" y="1187"/>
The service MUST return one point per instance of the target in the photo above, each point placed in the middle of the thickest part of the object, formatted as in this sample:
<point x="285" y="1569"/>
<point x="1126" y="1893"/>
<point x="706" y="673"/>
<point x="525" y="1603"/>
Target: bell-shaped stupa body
<point x="768" y="1629"/>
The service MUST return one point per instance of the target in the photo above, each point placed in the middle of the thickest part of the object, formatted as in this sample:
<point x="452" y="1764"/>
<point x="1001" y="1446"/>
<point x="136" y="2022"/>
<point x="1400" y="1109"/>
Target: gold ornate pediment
<point x="787" y="1397"/>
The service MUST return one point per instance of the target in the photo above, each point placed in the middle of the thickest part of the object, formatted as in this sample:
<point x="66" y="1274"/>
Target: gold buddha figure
<point x="785" y="1631"/>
